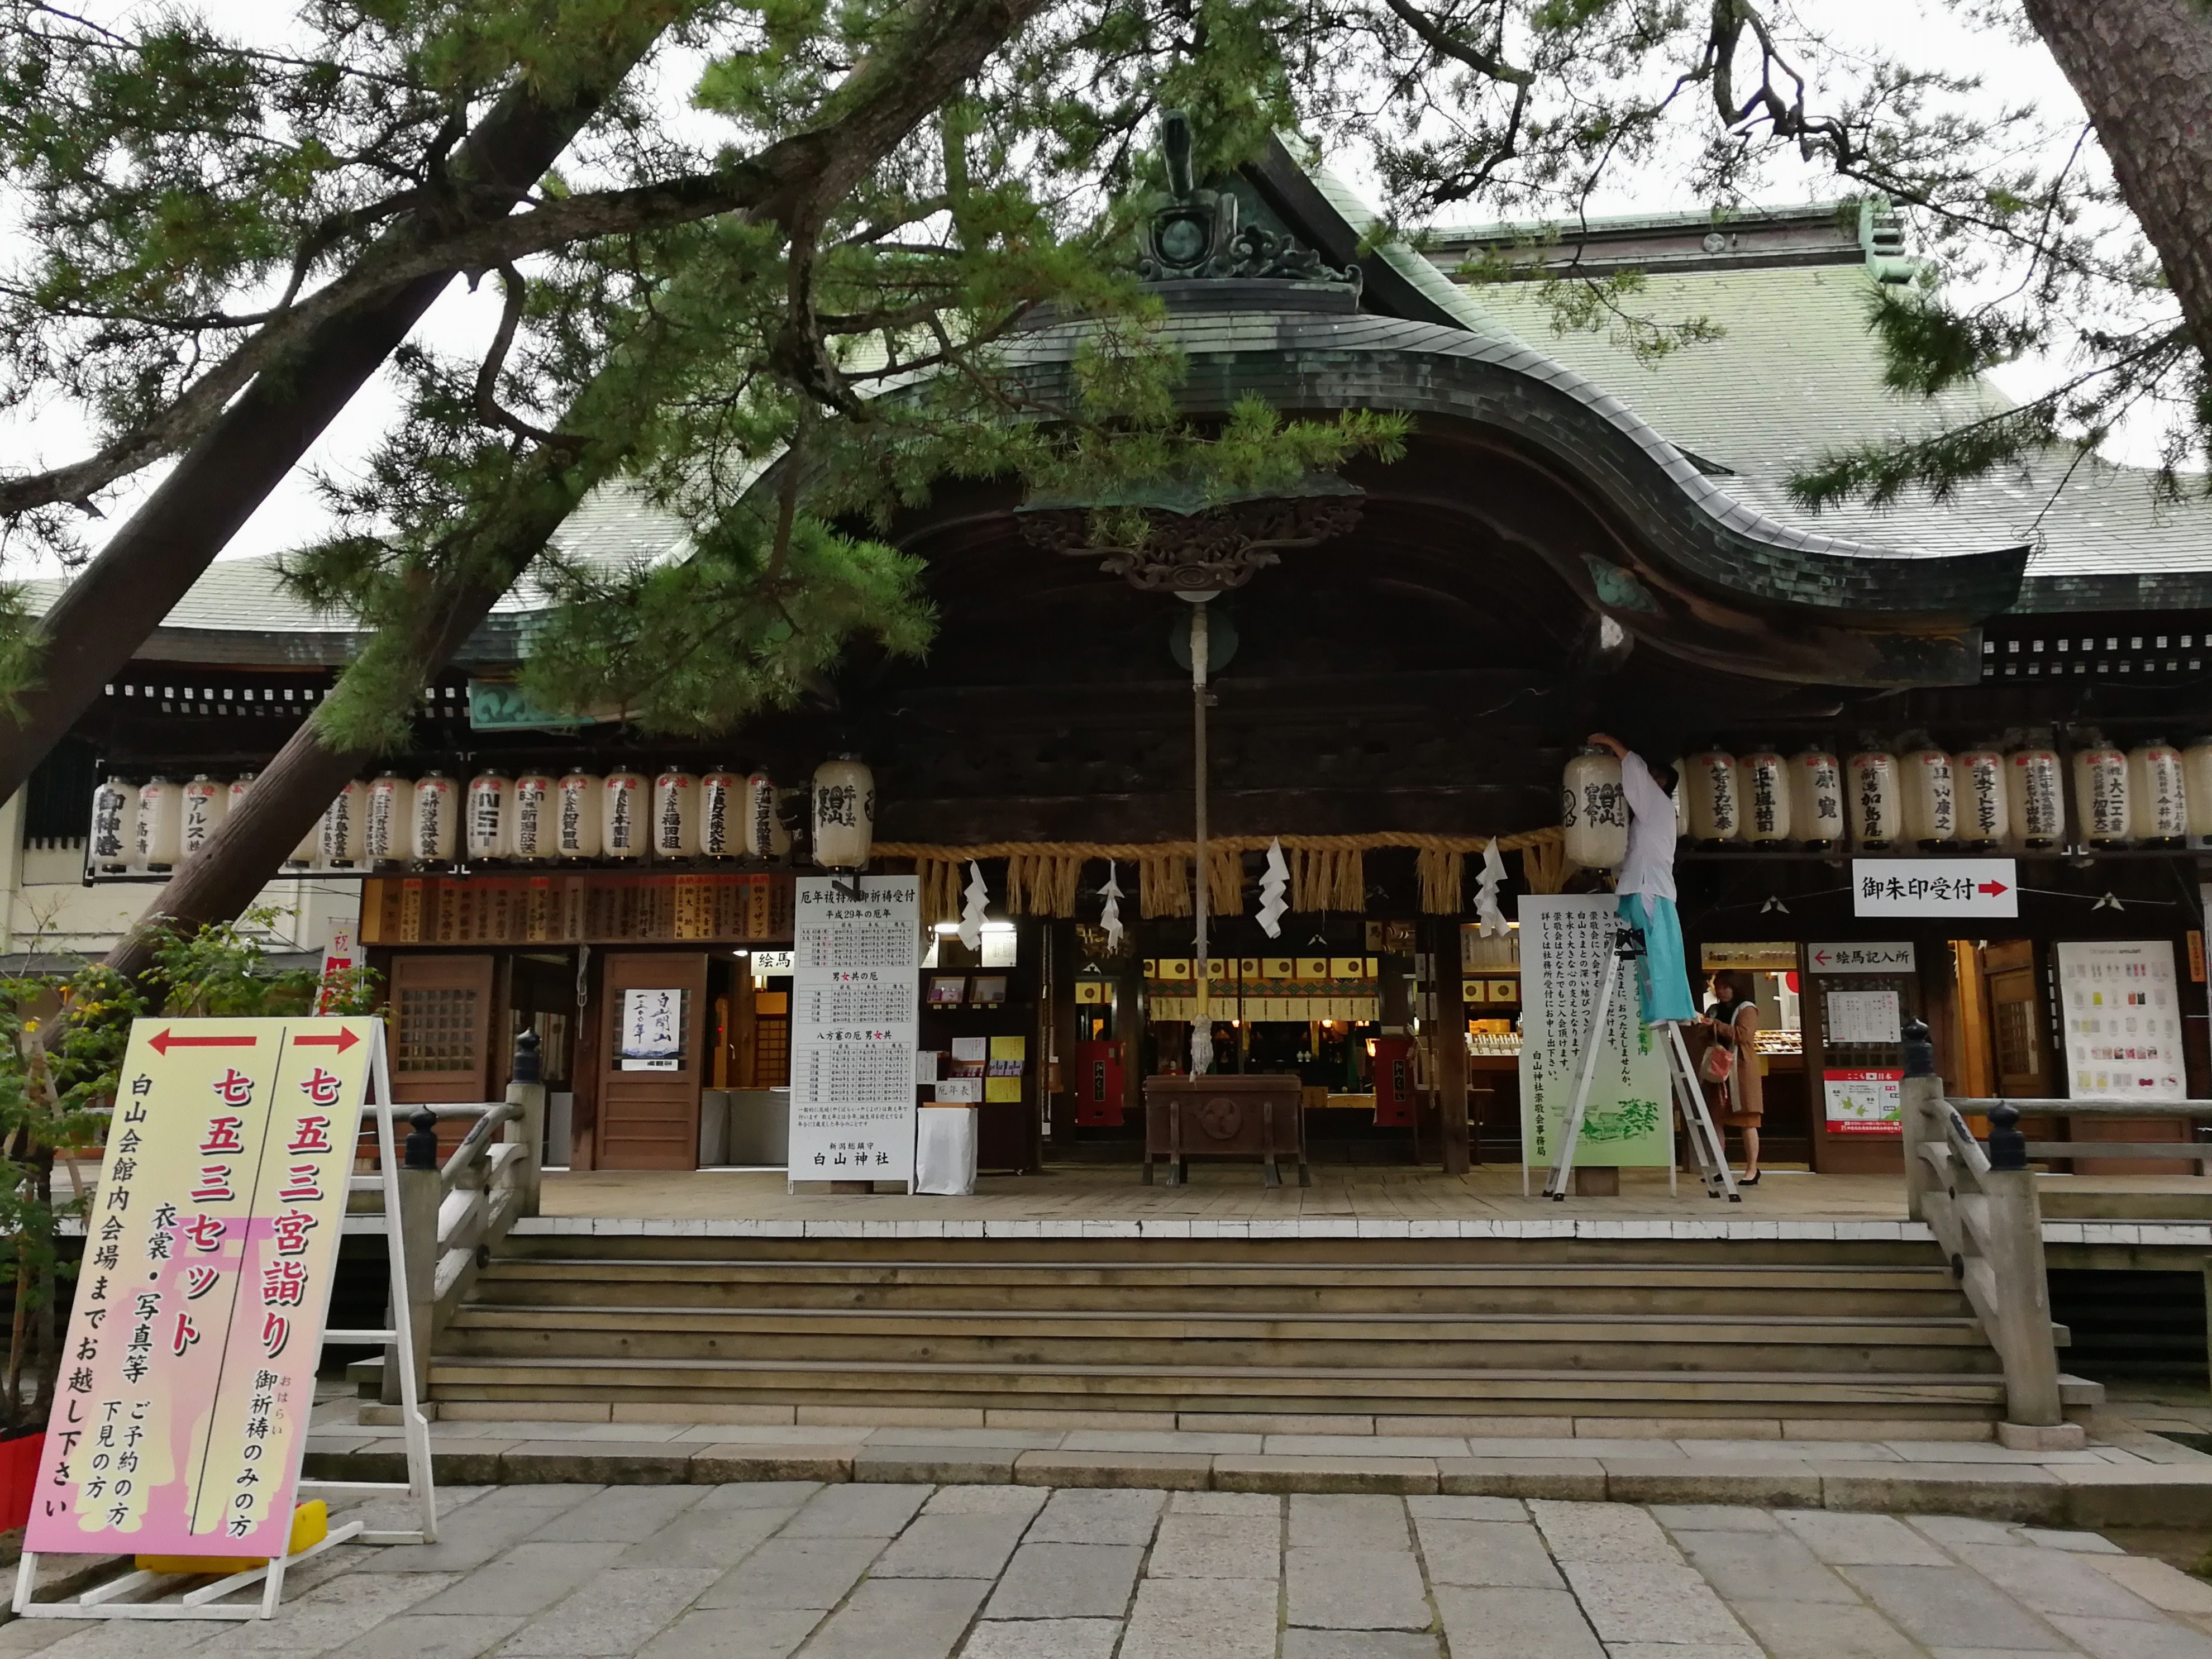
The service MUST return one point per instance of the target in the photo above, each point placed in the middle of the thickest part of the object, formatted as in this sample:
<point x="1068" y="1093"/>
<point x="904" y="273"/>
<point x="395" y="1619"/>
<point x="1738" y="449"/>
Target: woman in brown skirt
<point x="1738" y="1101"/>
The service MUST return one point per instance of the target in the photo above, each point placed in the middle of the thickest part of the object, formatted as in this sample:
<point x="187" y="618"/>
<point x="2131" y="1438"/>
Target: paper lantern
<point x="676" y="816"/>
<point x="2034" y="799"/>
<point x="1984" y="818"/>
<point x="532" y="809"/>
<point x="765" y="836"/>
<point x="345" y="827"/>
<point x="2161" y="799"/>
<point x="487" y="822"/>
<point x="576" y="830"/>
<point x="1931" y="798"/>
<point x="302" y="856"/>
<point x="1715" y="798"/>
<point x="240" y="787"/>
<point x="1765" y="780"/>
<point x="384" y="831"/>
<point x="111" y="811"/>
<point x="206" y="802"/>
<point x="1816" y="798"/>
<point x="1593" y="810"/>
<point x="434" y="834"/>
<point x="2101" y="794"/>
<point x="159" y="824"/>
<point x="1876" y="805"/>
<point x="623" y="802"/>
<point x="2196" y="776"/>
<point x="722" y="814"/>
<point x="843" y="820"/>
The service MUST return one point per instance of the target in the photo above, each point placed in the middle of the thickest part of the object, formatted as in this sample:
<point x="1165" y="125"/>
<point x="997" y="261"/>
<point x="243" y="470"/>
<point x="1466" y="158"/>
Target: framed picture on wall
<point x="947" y="988"/>
<point x="989" y="989"/>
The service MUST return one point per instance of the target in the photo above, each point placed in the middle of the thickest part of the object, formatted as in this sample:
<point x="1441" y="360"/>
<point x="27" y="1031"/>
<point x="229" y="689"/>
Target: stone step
<point x="1277" y="1389"/>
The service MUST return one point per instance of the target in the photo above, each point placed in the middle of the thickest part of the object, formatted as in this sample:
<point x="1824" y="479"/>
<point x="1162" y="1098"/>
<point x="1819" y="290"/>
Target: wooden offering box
<point x="1256" y="1117"/>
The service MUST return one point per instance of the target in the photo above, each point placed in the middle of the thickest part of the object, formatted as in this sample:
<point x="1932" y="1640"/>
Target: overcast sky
<point x="293" y="514"/>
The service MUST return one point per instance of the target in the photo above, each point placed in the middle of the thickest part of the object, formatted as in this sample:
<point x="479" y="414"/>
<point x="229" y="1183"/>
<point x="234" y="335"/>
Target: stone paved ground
<point x="887" y="1571"/>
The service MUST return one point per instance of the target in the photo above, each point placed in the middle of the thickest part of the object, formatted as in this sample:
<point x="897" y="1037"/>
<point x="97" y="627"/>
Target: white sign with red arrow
<point x="1935" y="887"/>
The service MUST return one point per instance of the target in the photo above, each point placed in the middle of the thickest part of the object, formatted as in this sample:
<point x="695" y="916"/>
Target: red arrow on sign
<point x="343" y="1040"/>
<point x="1992" y="888"/>
<point x="166" y="1040"/>
<point x="1822" y="957"/>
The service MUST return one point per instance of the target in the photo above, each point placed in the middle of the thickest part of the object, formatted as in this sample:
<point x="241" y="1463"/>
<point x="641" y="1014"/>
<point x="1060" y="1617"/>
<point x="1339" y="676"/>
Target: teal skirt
<point x="1661" y="977"/>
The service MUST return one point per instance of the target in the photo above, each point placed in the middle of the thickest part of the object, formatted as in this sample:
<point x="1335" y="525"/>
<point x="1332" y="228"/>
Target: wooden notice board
<point x="652" y="1058"/>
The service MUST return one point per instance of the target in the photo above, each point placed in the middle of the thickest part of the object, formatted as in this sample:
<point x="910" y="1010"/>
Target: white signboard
<point x="1889" y="959"/>
<point x="2120" y="1006"/>
<point x="652" y="1031"/>
<point x="1862" y="1016"/>
<point x="1864" y="1102"/>
<point x="855" y="975"/>
<point x="1566" y="944"/>
<point x="1935" y="887"/>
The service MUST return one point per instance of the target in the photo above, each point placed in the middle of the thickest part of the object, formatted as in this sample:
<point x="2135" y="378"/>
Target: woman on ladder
<point x="1733" y="1082"/>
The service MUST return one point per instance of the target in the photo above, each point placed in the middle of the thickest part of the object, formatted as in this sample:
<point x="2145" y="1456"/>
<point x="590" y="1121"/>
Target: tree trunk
<point x="150" y="562"/>
<point x="2143" y="71"/>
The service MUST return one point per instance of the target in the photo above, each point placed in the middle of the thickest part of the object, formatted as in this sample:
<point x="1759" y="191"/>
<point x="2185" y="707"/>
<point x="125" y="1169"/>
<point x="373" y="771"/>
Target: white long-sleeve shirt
<point x="1649" y="869"/>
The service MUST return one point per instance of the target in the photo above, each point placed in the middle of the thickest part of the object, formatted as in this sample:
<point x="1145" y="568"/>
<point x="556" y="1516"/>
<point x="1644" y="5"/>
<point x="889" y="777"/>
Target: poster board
<point x="854" y="1027"/>
<point x="1567" y="943"/>
<point x="183" y="1406"/>
<point x="2120" y="1010"/>
<point x="1867" y="1101"/>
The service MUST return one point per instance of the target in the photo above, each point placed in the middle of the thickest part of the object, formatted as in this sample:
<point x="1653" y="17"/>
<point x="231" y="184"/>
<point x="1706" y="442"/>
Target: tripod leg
<point x="1563" y="1162"/>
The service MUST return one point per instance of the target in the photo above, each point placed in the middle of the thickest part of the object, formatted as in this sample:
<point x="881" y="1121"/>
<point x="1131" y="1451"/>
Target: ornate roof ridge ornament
<point x="1193" y="234"/>
<point x="1196" y="545"/>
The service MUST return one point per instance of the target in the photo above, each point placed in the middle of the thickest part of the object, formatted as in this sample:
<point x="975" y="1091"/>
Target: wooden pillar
<point x="584" y="1071"/>
<point x="1450" y="1044"/>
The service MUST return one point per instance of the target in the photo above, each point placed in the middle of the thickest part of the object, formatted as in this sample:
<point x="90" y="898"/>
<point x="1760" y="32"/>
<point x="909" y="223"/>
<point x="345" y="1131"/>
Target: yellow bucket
<point x="311" y="1524"/>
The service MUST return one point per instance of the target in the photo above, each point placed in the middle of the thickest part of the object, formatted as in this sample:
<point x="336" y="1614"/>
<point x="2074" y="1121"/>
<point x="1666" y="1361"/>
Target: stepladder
<point x="1708" y="1153"/>
<point x="208" y="1592"/>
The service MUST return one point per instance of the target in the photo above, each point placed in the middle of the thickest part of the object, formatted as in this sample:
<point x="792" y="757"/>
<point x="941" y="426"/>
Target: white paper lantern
<point x="576" y="830"/>
<point x="240" y="787"/>
<point x="302" y="856"/>
<point x="206" y="803"/>
<point x="2035" y="797"/>
<point x="722" y="814"/>
<point x="623" y="802"/>
<point x="765" y="836"/>
<point x="532" y="809"/>
<point x="436" y="835"/>
<point x="675" y="815"/>
<point x="1876" y="805"/>
<point x="1931" y="798"/>
<point x="844" y="814"/>
<point x="1593" y="810"/>
<point x="112" y="804"/>
<point x="1984" y="816"/>
<point x="488" y="820"/>
<point x="159" y="825"/>
<point x="2162" y="798"/>
<point x="1715" y="797"/>
<point x="345" y="827"/>
<point x="384" y="831"/>
<point x="2196" y="776"/>
<point x="2101" y="794"/>
<point x="1816" y="798"/>
<point x="1765" y="780"/>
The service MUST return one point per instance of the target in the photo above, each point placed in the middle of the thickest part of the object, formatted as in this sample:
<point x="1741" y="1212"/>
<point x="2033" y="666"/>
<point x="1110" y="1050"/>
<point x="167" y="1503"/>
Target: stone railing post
<point x="526" y="1089"/>
<point x="1925" y="1113"/>
<point x="420" y="1195"/>
<point x="2014" y="1249"/>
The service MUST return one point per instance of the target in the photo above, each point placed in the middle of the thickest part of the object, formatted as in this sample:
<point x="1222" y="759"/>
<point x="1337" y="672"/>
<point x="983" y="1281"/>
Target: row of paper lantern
<point x="536" y="817"/>
<point x="1987" y="797"/>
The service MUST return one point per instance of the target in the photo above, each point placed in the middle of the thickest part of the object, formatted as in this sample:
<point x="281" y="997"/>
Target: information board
<point x="2120" y="1006"/>
<point x="1866" y="1101"/>
<point x="1565" y="946"/>
<point x="183" y="1403"/>
<point x="854" y="981"/>
<point x="1989" y="888"/>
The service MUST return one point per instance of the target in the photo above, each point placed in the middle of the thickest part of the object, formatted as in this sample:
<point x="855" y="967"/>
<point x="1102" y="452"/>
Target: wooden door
<point x="441" y="1028"/>
<point x="649" y="1101"/>
<point x="2019" y="1042"/>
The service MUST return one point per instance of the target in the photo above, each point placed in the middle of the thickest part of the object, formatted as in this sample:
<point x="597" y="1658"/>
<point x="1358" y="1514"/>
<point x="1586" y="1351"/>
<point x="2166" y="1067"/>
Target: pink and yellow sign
<point x="181" y="1413"/>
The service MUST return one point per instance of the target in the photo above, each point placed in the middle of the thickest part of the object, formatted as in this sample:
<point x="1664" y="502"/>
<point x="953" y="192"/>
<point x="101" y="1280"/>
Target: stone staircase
<point x="652" y="1324"/>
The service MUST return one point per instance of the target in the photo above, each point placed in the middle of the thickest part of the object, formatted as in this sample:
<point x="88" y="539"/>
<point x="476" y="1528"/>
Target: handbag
<point x="1718" y="1064"/>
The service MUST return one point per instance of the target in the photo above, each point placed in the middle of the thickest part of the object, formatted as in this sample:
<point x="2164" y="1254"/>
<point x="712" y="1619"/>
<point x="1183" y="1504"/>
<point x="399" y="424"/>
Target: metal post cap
<point x="2008" y="1145"/>
<point x="1919" y="1049"/>
<point x="528" y="1066"/>
<point x="422" y="1142"/>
